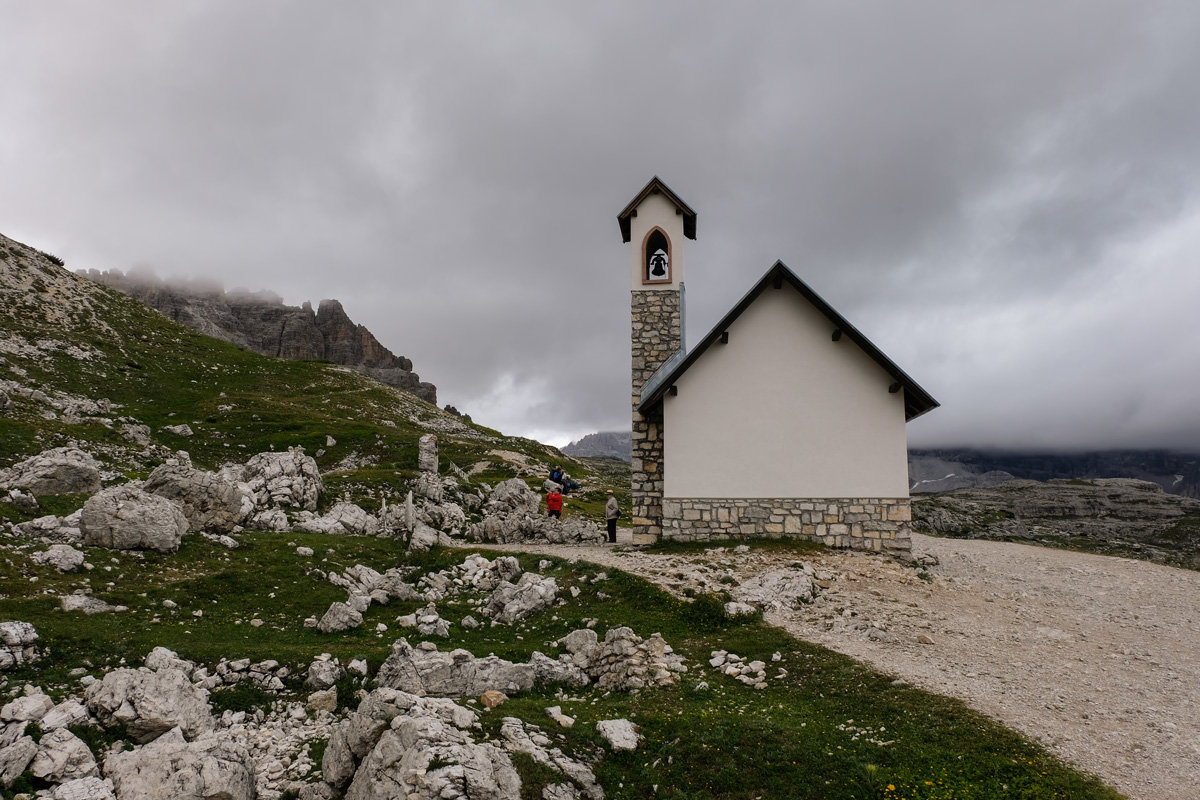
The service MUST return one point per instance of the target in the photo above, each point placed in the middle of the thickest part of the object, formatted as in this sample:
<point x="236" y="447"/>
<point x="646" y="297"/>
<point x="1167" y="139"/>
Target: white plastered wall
<point x="781" y="410"/>
<point x="656" y="211"/>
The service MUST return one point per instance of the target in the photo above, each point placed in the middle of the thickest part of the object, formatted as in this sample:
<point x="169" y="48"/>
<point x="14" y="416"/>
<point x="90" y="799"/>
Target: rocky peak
<point x="259" y="321"/>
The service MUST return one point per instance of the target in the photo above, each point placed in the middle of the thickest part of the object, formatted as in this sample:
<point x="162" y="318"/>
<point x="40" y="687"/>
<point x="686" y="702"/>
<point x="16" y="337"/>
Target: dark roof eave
<point x="916" y="400"/>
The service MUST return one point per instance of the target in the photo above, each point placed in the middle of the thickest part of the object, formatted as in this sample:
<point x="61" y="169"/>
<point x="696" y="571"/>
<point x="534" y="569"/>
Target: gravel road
<point x="1096" y="657"/>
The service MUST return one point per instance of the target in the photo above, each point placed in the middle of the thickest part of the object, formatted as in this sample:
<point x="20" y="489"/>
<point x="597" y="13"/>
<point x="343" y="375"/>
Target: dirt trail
<point x="1097" y="657"/>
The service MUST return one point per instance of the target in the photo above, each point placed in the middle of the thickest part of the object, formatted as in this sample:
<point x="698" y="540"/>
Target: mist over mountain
<point x="260" y="322"/>
<point x="947" y="469"/>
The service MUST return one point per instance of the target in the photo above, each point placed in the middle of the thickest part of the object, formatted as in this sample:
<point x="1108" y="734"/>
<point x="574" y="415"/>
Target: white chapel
<point x="784" y="420"/>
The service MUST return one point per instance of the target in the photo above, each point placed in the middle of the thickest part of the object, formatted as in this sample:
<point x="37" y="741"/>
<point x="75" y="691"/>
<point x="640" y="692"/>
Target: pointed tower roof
<point x="656" y="186"/>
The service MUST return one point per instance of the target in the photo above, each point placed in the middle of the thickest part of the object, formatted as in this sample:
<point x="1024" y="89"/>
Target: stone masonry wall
<point x="656" y="335"/>
<point x="859" y="523"/>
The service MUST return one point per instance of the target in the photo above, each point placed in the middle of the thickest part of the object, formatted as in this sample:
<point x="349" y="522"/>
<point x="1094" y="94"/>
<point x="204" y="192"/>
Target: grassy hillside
<point x="824" y="727"/>
<point x="72" y="339"/>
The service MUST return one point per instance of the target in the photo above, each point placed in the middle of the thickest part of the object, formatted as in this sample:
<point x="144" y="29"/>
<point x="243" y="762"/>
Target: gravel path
<point x="1096" y="657"/>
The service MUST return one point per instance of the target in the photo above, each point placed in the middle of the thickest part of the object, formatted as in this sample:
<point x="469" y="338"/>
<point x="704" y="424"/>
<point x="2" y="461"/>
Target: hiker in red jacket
<point x="554" y="503"/>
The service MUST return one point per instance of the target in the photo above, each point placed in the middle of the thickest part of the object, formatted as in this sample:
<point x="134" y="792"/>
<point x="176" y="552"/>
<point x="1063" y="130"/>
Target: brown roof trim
<point x="916" y="400"/>
<point x="656" y="186"/>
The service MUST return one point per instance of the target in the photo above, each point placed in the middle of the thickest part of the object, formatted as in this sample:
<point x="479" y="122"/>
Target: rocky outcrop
<point x="149" y="703"/>
<point x="128" y="518"/>
<point x="1116" y="516"/>
<point x="424" y="670"/>
<point x="208" y="501"/>
<point x="210" y="768"/>
<point x="277" y="480"/>
<point x="262" y="323"/>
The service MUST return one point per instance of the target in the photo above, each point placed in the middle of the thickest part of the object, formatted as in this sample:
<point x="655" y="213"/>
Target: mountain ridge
<point x="262" y="323"/>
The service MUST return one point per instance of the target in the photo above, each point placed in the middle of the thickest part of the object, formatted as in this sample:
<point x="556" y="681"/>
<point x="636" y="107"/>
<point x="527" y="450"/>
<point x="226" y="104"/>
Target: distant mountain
<point x="611" y="444"/>
<point x="943" y="470"/>
<point x="261" y="323"/>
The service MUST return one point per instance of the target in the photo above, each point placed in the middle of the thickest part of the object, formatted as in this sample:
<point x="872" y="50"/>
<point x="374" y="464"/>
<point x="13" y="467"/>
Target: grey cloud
<point x="947" y="175"/>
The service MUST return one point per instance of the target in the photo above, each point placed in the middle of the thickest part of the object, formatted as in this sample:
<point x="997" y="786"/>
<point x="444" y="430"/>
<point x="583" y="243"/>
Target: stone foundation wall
<point x="859" y="523"/>
<point x="657" y="334"/>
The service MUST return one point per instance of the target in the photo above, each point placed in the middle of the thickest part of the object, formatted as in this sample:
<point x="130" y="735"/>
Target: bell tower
<point x="654" y="224"/>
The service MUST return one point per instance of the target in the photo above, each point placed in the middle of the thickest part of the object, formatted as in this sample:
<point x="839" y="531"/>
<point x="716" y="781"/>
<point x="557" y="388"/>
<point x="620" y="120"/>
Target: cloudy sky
<point x="1005" y="197"/>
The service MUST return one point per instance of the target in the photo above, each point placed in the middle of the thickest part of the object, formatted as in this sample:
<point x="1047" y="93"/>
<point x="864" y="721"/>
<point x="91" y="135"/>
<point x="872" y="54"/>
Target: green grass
<point x="796" y="739"/>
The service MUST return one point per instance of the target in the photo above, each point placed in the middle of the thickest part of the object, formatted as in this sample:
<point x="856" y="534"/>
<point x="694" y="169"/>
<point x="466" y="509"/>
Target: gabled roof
<point x="655" y="186"/>
<point x="916" y="400"/>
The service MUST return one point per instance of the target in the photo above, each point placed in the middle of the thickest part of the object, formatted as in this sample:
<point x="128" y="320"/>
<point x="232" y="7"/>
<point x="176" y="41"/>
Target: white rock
<point x="621" y="734"/>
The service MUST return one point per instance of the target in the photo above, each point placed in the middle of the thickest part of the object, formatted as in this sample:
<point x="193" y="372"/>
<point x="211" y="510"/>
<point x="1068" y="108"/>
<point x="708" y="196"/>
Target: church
<point x="783" y="421"/>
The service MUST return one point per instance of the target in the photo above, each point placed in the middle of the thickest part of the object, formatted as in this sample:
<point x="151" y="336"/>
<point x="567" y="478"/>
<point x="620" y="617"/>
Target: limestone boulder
<point x="512" y="495"/>
<point x="62" y="557"/>
<point x="426" y="671"/>
<point x="27" y="708"/>
<point x="208" y="501"/>
<point x="63" y="470"/>
<point x="778" y="589"/>
<point x="427" y="453"/>
<point x="449" y="518"/>
<point x="15" y="759"/>
<point x="343" y="518"/>
<point x="18" y="644"/>
<point x="280" y="480"/>
<point x="68" y="712"/>
<point x="578" y="783"/>
<point x="213" y="767"/>
<point x="340" y="617"/>
<point x="149" y="703"/>
<point x="535" y="527"/>
<point x="621" y="734"/>
<point x="127" y="517"/>
<point x="511" y="602"/>
<point x="424" y="537"/>
<point x="424" y="758"/>
<point x="62" y="756"/>
<point x="84" y="789"/>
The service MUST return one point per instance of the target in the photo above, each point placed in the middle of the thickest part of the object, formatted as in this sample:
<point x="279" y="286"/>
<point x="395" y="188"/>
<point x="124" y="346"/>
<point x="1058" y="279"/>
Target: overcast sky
<point x="1004" y="197"/>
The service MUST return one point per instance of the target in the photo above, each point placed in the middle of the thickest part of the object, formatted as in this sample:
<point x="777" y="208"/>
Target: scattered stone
<point x="324" y="700"/>
<point x="63" y="557"/>
<point x="340" y="617"/>
<point x="82" y="601"/>
<point x="623" y="661"/>
<point x="621" y="734"/>
<point x="178" y="430"/>
<point x="324" y="672"/>
<point x="492" y="699"/>
<point x="778" y="589"/>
